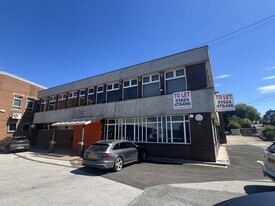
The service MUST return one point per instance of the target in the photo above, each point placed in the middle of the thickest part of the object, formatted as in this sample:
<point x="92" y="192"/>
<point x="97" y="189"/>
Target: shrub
<point x="234" y="125"/>
<point x="245" y="123"/>
<point x="269" y="132"/>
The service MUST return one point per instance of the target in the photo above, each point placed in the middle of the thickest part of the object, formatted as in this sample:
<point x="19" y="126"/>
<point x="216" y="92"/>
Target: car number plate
<point x="20" y="147"/>
<point x="92" y="156"/>
<point x="271" y="160"/>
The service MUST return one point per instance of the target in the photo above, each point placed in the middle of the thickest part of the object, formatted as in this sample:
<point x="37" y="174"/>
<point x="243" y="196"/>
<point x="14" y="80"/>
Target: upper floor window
<point x="82" y="94"/>
<point x="175" y="81"/>
<point x="150" y="86"/>
<point x="130" y="89"/>
<point x="17" y="101"/>
<point x="52" y="103"/>
<point x="100" y="95"/>
<point x="30" y="104"/>
<point x="44" y="104"/>
<point x="113" y="92"/>
<point x="91" y="96"/>
<point x="62" y="97"/>
<point x="73" y="95"/>
<point x="12" y="126"/>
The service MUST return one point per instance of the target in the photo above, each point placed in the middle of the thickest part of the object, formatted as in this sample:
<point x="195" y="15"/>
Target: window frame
<point x="17" y="97"/>
<point x="129" y="86"/>
<point x="151" y="81"/>
<point x="9" y="126"/>
<point x="27" y="103"/>
<point x="72" y="94"/>
<point x="175" y="77"/>
<point x="99" y="92"/>
<point x="62" y="97"/>
<point x="112" y="89"/>
<point x="164" y="124"/>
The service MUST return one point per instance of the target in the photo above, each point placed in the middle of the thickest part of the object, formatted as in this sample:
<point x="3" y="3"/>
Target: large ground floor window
<point x="165" y="129"/>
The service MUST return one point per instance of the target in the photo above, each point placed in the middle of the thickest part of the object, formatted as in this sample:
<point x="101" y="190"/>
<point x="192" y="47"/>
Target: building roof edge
<point x="21" y="79"/>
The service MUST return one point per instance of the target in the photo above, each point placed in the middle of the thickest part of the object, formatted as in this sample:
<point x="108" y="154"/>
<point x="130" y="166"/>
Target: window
<point x="100" y="95"/>
<point x="166" y="129"/>
<point x="12" y="127"/>
<point x="130" y="89"/>
<point x="113" y="92"/>
<point x="150" y="86"/>
<point x="62" y="97"/>
<point x="52" y="103"/>
<point x="175" y="81"/>
<point x="25" y="127"/>
<point x="82" y="94"/>
<point x="44" y="104"/>
<point x="30" y="104"/>
<point x="72" y="100"/>
<point x="73" y="95"/>
<point x="91" y="96"/>
<point x="17" y="101"/>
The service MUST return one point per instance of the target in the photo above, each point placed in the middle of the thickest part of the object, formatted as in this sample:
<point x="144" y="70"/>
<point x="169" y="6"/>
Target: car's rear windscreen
<point x="20" y="139"/>
<point x="99" y="147"/>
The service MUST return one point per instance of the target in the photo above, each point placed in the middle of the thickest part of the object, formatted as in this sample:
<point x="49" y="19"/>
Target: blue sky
<point x="52" y="42"/>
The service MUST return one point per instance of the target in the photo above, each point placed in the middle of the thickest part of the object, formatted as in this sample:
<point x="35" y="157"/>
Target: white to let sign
<point x="224" y="102"/>
<point x="182" y="100"/>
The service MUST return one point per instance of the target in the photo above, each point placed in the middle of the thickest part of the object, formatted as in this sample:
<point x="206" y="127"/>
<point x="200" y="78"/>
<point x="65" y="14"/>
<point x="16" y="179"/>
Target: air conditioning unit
<point x="16" y="116"/>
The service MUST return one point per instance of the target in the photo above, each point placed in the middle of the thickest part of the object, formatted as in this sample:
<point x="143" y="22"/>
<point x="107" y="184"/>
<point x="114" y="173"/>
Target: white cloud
<point x="223" y="76"/>
<point x="270" y="68"/>
<point x="267" y="78"/>
<point x="267" y="89"/>
<point x="218" y="85"/>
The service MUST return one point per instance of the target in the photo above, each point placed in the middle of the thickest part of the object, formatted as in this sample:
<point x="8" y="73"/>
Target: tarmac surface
<point x="40" y="178"/>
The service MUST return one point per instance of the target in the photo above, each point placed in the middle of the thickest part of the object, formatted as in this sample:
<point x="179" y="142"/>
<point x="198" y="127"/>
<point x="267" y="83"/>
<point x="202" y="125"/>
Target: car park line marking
<point x="207" y="165"/>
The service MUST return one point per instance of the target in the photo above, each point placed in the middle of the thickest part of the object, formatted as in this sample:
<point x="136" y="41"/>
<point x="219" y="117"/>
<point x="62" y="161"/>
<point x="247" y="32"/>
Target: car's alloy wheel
<point x="118" y="164"/>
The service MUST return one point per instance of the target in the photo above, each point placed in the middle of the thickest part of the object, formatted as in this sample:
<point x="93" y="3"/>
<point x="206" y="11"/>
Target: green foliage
<point x="269" y="132"/>
<point x="234" y="125"/>
<point x="241" y="113"/>
<point x="245" y="123"/>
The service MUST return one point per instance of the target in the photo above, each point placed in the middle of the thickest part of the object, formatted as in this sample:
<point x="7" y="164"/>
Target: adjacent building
<point x="269" y="117"/>
<point x="166" y="105"/>
<point x="17" y="106"/>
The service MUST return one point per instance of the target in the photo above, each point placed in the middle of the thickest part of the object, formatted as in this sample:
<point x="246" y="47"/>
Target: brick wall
<point x="9" y="86"/>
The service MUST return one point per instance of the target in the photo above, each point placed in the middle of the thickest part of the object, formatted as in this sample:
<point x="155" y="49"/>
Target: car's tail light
<point x="106" y="155"/>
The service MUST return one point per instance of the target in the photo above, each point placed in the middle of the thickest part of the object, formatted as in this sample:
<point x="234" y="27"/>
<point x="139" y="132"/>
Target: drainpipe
<point x="52" y="142"/>
<point x="81" y="148"/>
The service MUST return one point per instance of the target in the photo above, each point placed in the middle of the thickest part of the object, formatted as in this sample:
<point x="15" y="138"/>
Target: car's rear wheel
<point x="118" y="164"/>
<point x="6" y="150"/>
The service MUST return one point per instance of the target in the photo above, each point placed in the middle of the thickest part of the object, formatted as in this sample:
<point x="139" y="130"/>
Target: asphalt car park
<point x="244" y="166"/>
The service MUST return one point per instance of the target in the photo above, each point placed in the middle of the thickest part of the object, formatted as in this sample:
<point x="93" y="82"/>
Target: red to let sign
<point x="182" y="100"/>
<point x="224" y="102"/>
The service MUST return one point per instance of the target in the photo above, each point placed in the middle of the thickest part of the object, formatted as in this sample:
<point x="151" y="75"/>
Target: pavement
<point x="75" y="160"/>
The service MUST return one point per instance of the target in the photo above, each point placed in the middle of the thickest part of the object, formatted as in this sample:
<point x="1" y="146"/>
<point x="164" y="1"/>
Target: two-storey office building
<point x="17" y="106"/>
<point x="137" y="103"/>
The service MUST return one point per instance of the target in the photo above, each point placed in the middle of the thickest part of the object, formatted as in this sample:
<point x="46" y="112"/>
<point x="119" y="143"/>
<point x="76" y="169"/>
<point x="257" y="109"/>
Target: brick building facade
<point x="17" y="106"/>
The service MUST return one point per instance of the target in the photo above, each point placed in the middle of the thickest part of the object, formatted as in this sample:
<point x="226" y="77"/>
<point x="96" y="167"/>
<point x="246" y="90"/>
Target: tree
<point x="243" y="111"/>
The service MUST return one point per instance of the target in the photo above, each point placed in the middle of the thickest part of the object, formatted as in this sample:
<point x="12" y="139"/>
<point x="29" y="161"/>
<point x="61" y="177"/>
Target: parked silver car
<point x="112" y="154"/>
<point x="14" y="144"/>
<point x="269" y="162"/>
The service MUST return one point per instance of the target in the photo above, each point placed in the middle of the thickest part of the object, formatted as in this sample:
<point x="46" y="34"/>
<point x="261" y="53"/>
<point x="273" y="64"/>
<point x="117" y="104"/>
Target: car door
<point x="133" y="151"/>
<point x="126" y="151"/>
